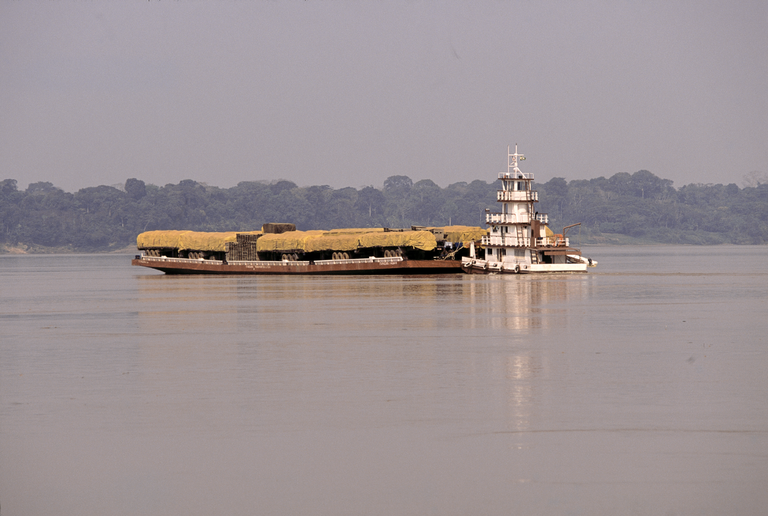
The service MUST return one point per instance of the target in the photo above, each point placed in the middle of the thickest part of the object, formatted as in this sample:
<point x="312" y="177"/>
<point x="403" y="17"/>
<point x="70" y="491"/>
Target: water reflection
<point x="285" y="334"/>
<point x="384" y="395"/>
<point x="526" y="302"/>
<point x="269" y="303"/>
<point x="522" y="371"/>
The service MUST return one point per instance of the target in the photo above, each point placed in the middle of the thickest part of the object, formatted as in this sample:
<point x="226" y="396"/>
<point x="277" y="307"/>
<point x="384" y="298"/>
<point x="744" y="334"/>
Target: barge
<point x="520" y="240"/>
<point x="280" y="249"/>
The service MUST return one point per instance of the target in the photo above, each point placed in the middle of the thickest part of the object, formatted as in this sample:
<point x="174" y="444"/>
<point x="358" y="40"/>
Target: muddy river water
<point x="638" y="388"/>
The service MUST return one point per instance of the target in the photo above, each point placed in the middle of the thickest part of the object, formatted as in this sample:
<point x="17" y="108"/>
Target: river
<point x="638" y="388"/>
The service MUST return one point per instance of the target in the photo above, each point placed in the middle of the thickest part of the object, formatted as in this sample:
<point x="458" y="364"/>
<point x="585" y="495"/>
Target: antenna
<point x="512" y="162"/>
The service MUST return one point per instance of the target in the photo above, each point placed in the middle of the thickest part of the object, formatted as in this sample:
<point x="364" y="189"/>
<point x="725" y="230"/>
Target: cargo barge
<point x="519" y="241"/>
<point x="281" y="249"/>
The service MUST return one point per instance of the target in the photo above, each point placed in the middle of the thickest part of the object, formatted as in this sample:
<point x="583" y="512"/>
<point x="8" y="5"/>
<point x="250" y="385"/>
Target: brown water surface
<point x="639" y="388"/>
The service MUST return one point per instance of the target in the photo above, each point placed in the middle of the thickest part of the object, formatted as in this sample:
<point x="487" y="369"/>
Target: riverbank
<point x="42" y="249"/>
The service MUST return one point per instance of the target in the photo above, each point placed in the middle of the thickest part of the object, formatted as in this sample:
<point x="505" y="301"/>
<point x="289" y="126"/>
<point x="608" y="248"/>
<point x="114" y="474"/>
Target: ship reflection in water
<point x="628" y="390"/>
<point x="293" y="347"/>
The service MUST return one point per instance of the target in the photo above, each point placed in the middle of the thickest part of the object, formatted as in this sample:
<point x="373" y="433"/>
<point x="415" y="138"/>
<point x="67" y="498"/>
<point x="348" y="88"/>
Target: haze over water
<point x="638" y="388"/>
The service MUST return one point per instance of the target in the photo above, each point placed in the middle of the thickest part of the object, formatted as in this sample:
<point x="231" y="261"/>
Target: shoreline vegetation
<point x="22" y="249"/>
<point x="625" y="209"/>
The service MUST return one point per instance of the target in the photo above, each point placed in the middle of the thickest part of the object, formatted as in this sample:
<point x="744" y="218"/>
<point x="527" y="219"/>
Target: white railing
<point x="553" y="241"/>
<point x="519" y="196"/>
<point x="506" y="241"/>
<point x="281" y="263"/>
<point x="512" y="175"/>
<point x="266" y="263"/>
<point x="507" y="218"/>
<point x="372" y="259"/>
<point x="181" y="260"/>
<point x="543" y="218"/>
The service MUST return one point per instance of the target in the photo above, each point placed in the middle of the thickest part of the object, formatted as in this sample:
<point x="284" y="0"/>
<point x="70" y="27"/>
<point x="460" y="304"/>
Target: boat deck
<point x="391" y="265"/>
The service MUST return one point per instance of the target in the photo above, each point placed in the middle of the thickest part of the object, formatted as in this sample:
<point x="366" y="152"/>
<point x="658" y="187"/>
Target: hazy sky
<point x="347" y="93"/>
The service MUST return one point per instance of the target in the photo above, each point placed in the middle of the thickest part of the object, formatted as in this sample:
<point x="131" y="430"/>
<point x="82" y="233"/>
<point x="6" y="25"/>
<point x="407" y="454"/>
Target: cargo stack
<point x="277" y="228"/>
<point x="243" y="249"/>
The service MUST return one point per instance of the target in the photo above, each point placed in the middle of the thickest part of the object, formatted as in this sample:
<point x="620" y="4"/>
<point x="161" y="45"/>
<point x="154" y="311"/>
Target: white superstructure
<point x="519" y="240"/>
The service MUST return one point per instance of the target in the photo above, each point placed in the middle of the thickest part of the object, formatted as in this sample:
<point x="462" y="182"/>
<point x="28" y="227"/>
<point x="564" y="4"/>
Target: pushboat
<point x="520" y="240"/>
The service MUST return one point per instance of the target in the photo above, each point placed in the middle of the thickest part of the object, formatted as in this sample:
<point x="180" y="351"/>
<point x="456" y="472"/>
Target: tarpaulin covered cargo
<point x="289" y="241"/>
<point x="335" y="242"/>
<point x="184" y="240"/>
<point x="344" y="239"/>
<point x="423" y="240"/>
<point x="150" y="239"/>
<point x="310" y="241"/>
<point x="206" y="241"/>
<point x="354" y="230"/>
<point x="463" y="233"/>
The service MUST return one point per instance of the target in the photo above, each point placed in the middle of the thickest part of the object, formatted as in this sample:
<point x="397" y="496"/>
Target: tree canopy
<point x="638" y="205"/>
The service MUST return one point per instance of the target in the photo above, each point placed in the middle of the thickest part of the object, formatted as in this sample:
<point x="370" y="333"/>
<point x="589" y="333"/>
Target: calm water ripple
<point x="639" y="388"/>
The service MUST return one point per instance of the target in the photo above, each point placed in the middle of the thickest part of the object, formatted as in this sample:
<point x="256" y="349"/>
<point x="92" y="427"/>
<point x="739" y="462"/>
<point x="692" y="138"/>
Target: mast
<point x="512" y="160"/>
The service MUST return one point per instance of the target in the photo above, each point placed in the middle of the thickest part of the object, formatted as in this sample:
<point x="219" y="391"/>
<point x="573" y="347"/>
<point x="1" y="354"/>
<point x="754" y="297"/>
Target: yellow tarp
<point x="288" y="241"/>
<point x="332" y="241"/>
<point x="183" y="240"/>
<point x="423" y="240"/>
<point x="206" y="241"/>
<point x="150" y="239"/>
<point x="309" y="241"/>
<point x="345" y="239"/>
<point x="463" y="233"/>
<point x="355" y="230"/>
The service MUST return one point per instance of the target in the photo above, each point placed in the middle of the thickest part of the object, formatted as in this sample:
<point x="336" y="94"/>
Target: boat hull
<point x="474" y="266"/>
<point x="368" y="266"/>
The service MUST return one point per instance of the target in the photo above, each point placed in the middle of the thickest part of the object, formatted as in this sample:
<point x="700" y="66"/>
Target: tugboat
<point x="519" y="240"/>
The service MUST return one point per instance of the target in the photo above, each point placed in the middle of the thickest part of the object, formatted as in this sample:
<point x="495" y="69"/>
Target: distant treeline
<point x="635" y="206"/>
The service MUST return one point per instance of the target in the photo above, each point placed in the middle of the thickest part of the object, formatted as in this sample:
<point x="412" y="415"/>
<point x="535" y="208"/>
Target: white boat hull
<point x="476" y="266"/>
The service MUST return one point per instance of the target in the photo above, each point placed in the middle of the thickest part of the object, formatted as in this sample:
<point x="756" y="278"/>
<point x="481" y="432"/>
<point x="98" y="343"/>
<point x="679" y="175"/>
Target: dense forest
<point x="639" y="207"/>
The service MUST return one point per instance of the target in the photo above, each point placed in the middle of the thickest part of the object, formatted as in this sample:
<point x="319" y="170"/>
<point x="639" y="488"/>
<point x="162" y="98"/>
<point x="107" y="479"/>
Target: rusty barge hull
<point x="365" y="266"/>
